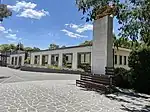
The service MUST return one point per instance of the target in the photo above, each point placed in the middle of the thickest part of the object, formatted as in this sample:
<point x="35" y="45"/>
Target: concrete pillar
<point x="22" y="61"/>
<point x="40" y="60"/>
<point x="17" y="60"/>
<point x="102" y="51"/>
<point x="60" y="60"/>
<point x="14" y="61"/>
<point x="49" y="60"/>
<point x="74" y="61"/>
<point x="32" y="59"/>
<point x="10" y="60"/>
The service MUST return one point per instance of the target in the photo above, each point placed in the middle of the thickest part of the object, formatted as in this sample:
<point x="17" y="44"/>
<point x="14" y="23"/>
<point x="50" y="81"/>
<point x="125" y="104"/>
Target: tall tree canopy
<point x="133" y="15"/>
<point x="13" y="47"/>
<point x="53" y="46"/>
<point x="4" y="12"/>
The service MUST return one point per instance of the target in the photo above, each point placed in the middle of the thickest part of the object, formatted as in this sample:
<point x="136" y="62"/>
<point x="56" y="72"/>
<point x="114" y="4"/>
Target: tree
<point x="135" y="20"/>
<point x="12" y="47"/>
<point x="28" y="49"/>
<point x="87" y="43"/>
<point x="4" y="12"/>
<point x="63" y="46"/>
<point x="133" y="15"/>
<point x="5" y="47"/>
<point x="36" y="49"/>
<point x="20" y="46"/>
<point x="95" y="9"/>
<point x="53" y="46"/>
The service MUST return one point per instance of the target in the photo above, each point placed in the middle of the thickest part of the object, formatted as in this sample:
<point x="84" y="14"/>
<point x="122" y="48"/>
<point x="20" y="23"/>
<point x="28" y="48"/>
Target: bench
<point x="109" y="70"/>
<point x="97" y="82"/>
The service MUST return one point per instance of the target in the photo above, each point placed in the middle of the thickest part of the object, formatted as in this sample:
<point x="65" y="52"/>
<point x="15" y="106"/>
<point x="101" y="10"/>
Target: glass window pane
<point x="120" y="60"/>
<point x="87" y="58"/>
<point x="115" y="59"/>
<point x="125" y="60"/>
<point x="82" y="58"/>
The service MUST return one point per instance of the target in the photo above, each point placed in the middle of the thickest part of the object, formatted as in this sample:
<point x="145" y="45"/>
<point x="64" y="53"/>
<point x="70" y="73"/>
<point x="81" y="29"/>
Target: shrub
<point x="139" y="62"/>
<point x="86" y="67"/>
<point x="122" y="77"/>
<point x="27" y="61"/>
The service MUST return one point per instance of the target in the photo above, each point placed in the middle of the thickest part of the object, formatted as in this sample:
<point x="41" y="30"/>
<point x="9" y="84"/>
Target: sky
<point x="42" y="22"/>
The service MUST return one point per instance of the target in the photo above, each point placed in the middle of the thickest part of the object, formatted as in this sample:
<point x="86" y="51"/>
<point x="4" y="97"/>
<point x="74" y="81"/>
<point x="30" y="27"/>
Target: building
<point x="4" y="58"/>
<point x="71" y="57"/>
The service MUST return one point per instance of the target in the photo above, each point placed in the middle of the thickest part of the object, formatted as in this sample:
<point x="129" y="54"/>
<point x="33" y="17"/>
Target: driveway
<point x="40" y="92"/>
<point x="21" y="76"/>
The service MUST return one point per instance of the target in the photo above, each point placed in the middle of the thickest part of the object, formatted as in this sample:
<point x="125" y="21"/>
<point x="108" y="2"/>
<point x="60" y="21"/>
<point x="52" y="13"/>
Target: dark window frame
<point x="116" y="59"/>
<point x="125" y="60"/>
<point x="120" y="60"/>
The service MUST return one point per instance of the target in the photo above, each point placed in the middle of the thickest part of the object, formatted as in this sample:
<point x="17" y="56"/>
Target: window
<point x="56" y="58"/>
<point x="67" y="58"/>
<point x="16" y="60"/>
<point x="12" y="61"/>
<point x="125" y="60"/>
<point x="44" y="59"/>
<point x="115" y="59"/>
<point x="87" y="58"/>
<point x="37" y="59"/>
<point x="82" y="58"/>
<point x="120" y="60"/>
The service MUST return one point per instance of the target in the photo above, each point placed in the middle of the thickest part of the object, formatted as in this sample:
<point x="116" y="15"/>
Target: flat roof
<point x="79" y="46"/>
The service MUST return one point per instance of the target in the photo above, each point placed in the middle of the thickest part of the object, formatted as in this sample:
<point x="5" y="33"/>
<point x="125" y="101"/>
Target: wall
<point x="17" y="55"/>
<point x="61" y="52"/>
<point x="75" y="51"/>
<point x="122" y="52"/>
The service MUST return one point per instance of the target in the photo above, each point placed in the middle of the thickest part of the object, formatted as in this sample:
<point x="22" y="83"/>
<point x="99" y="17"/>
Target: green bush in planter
<point x="85" y="66"/>
<point x="139" y="62"/>
<point x="122" y="77"/>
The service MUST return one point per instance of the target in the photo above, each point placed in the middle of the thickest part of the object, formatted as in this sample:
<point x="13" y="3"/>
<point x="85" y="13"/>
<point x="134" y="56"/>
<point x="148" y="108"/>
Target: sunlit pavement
<point x="21" y="93"/>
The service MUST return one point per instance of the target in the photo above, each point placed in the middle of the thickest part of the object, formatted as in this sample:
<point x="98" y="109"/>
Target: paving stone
<point x="12" y="110"/>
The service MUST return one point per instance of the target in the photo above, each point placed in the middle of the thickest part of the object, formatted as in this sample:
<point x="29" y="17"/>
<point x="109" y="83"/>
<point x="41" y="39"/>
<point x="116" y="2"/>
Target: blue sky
<point x="38" y="23"/>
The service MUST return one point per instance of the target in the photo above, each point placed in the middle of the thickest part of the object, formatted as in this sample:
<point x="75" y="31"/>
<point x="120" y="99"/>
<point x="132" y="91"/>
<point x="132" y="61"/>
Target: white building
<point x="74" y="57"/>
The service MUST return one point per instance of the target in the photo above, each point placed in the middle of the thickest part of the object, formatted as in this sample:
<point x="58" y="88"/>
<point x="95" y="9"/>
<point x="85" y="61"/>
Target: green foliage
<point x="125" y="43"/>
<point x="4" y="12"/>
<point x="27" y="61"/>
<point x="20" y="46"/>
<point x="87" y="43"/>
<point x="86" y="67"/>
<point x="90" y="7"/>
<point x="139" y="62"/>
<point x="122" y="77"/>
<point x="53" y="46"/>
<point x="133" y="16"/>
<point x="134" y="20"/>
<point x="13" y="47"/>
<point x="118" y="42"/>
<point x="63" y="46"/>
<point x="5" y="47"/>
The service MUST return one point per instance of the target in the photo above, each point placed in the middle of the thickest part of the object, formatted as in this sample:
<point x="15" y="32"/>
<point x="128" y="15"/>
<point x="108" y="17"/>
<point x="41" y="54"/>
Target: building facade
<point x="70" y="57"/>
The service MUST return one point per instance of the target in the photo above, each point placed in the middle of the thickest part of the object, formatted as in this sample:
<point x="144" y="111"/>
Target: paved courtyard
<point x="23" y="93"/>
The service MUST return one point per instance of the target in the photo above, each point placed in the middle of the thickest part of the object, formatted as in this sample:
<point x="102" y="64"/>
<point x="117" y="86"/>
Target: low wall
<point x="13" y="67"/>
<point x="48" y="70"/>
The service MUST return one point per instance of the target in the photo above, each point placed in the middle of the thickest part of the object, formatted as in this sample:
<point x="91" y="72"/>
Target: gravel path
<point x="64" y="96"/>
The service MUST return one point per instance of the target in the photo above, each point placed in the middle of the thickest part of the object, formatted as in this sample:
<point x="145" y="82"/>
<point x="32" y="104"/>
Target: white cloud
<point x="8" y="34"/>
<point x="33" y="14"/>
<point x="71" y="34"/>
<point x="12" y="36"/>
<point x="80" y="28"/>
<point x="27" y="10"/>
<point x="22" y="5"/>
<point x="2" y="29"/>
